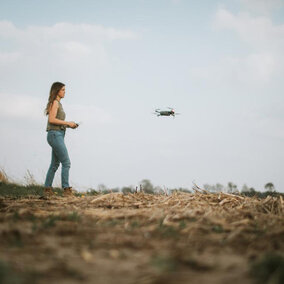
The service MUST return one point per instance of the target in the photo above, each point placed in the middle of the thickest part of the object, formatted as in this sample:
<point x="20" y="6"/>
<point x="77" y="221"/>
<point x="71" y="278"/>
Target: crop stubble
<point x="139" y="238"/>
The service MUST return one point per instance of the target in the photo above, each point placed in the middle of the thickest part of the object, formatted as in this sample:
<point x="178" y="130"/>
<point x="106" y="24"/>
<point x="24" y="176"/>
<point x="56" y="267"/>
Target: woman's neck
<point x="58" y="98"/>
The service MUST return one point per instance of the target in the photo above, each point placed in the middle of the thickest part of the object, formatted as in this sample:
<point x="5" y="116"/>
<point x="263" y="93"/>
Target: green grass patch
<point x="49" y="222"/>
<point x="7" y="275"/>
<point x="113" y="222"/>
<point x="163" y="263"/>
<point x="217" y="229"/>
<point x="13" y="190"/>
<point x="167" y="231"/>
<point x="15" y="239"/>
<point x="92" y="192"/>
<point x="134" y="224"/>
<point x="269" y="269"/>
<point x="74" y="217"/>
<point x="182" y="224"/>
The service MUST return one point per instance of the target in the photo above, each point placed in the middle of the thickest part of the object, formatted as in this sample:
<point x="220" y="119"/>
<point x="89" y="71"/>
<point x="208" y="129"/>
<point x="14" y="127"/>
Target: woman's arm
<point x="52" y="117"/>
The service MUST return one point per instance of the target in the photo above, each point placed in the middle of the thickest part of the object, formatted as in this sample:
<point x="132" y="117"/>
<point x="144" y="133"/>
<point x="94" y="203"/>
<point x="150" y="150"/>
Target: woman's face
<point x="61" y="93"/>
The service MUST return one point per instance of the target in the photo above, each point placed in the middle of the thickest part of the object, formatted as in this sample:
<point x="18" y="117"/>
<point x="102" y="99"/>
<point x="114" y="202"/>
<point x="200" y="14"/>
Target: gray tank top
<point x="60" y="115"/>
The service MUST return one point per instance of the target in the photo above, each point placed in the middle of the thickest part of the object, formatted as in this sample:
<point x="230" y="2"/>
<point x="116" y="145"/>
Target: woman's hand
<point x="72" y="124"/>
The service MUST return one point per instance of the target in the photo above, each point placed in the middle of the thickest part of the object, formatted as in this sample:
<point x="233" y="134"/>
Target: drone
<point x="169" y="112"/>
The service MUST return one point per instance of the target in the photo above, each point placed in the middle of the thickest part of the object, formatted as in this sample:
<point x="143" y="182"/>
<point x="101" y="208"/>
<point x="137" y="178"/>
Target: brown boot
<point x="48" y="192"/>
<point x="68" y="192"/>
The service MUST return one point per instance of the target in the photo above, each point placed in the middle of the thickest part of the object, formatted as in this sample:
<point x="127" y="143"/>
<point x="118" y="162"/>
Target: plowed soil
<point x="138" y="238"/>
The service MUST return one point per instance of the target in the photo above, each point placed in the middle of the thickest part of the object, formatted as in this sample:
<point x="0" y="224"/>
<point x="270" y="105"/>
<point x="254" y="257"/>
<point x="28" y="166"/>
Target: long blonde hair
<point x="54" y="90"/>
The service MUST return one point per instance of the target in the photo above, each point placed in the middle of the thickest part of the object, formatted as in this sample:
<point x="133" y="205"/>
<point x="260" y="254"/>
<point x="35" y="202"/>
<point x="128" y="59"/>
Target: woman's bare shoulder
<point x="55" y="103"/>
<point x="54" y="106"/>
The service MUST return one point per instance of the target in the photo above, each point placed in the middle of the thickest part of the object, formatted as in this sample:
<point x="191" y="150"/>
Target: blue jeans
<point x="55" y="139"/>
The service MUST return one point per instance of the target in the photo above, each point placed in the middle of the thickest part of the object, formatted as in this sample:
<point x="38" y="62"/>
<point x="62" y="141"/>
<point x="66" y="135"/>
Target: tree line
<point x="146" y="186"/>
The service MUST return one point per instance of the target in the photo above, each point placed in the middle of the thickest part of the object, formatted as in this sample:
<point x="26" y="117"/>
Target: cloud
<point x="70" y="48"/>
<point x="62" y="48"/>
<point x="261" y="6"/>
<point x="60" y="38"/>
<point x="63" y="31"/>
<point x="263" y="42"/>
<point x="259" y="32"/>
<point x="254" y="69"/>
<point x="20" y="107"/>
<point x="29" y="108"/>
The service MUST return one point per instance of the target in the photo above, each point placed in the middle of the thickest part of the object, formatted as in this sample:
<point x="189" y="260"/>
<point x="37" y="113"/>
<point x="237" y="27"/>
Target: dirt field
<point x="138" y="238"/>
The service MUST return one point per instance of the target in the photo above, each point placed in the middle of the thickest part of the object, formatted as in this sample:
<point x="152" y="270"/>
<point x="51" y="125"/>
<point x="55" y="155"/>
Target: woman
<point x="56" y="127"/>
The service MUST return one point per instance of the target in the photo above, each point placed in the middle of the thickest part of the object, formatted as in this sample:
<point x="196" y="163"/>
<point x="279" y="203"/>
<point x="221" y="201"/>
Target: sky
<point x="218" y="63"/>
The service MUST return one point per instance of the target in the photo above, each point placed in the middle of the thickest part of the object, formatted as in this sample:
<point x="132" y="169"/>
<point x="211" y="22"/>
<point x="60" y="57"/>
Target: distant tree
<point x="219" y="187"/>
<point x="102" y="187"/>
<point x="252" y="189"/>
<point x="248" y="191"/>
<point x="115" y="189"/>
<point x="245" y="188"/>
<point x="147" y="186"/>
<point x="208" y="187"/>
<point x="158" y="190"/>
<point x="127" y="189"/>
<point x="269" y="187"/>
<point x="214" y="188"/>
<point x="183" y="189"/>
<point x="232" y="187"/>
